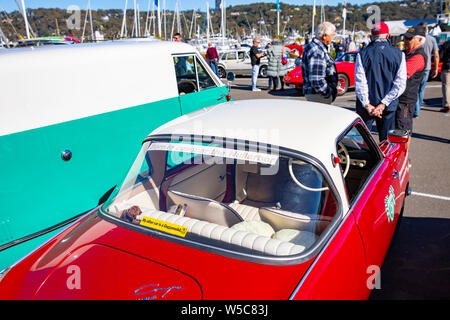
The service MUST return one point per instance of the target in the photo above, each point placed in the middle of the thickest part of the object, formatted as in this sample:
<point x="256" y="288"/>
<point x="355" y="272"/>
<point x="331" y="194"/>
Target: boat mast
<point x="3" y="39"/>
<point x="192" y="23"/>
<point x="313" y="15"/>
<point x="123" y="30"/>
<point x="88" y="12"/>
<point x="322" y="13"/>
<point x="278" y="17"/>
<point x="147" y="32"/>
<point x="24" y="14"/>
<point x="135" y="32"/>
<point x="344" y="16"/>
<point x="179" y="30"/>
<point x="207" y="21"/>
<point x="223" y="16"/>
<point x="165" y="19"/>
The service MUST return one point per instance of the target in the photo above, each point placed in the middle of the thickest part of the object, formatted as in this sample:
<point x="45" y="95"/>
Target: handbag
<point x="284" y="59"/>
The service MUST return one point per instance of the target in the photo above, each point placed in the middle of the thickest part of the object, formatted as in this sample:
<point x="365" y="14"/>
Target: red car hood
<point x="100" y="272"/>
<point x="96" y="259"/>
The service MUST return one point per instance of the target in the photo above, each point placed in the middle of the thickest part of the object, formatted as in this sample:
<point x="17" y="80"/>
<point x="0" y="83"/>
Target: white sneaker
<point x="256" y="89"/>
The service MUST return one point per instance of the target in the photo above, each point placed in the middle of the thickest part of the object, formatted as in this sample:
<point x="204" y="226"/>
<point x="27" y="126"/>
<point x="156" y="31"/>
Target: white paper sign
<point x="251" y="156"/>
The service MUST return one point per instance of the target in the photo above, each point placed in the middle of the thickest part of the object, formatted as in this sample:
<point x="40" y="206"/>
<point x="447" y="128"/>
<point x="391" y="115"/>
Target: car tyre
<point x="263" y="72"/>
<point x="221" y="72"/>
<point x="343" y="83"/>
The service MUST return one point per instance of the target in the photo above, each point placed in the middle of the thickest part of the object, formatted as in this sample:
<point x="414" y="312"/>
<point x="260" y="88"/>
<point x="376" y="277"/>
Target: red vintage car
<point x="433" y="67"/>
<point x="294" y="208"/>
<point x="345" y="66"/>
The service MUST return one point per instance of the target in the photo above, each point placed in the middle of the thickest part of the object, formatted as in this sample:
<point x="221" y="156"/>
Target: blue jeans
<point x="213" y="65"/>
<point x="421" y="93"/>
<point x="255" y="72"/>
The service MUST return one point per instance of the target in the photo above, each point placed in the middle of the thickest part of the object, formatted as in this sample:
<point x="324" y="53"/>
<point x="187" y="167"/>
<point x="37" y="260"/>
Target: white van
<point x="70" y="117"/>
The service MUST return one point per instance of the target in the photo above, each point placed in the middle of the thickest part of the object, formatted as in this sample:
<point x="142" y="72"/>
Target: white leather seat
<point x="282" y="219"/>
<point x="238" y="237"/>
<point x="205" y="209"/>
<point x="248" y="213"/>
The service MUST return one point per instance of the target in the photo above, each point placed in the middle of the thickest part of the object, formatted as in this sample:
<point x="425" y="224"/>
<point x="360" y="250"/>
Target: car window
<point x="348" y="57"/>
<point x="241" y="55"/>
<point x="191" y="74"/>
<point x="230" y="56"/>
<point x="358" y="158"/>
<point x="284" y="202"/>
<point x="204" y="79"/>
<point x="185" y="74"/>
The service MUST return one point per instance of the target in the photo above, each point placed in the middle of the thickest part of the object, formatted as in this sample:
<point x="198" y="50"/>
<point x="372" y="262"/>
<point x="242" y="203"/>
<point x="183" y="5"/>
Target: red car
<point x="345" y="66"/>
<point x="294" y="207"/>
<point x="433" y="67"/>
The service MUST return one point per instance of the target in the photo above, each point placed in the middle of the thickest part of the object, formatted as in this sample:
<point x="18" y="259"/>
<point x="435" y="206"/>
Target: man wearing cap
<point x="415" y="66"/>
<point x="380" y="79"/>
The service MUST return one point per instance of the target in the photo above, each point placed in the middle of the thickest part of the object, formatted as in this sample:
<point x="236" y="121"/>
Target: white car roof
<point x="309" y="127"/>
<point x="101" y="48"/>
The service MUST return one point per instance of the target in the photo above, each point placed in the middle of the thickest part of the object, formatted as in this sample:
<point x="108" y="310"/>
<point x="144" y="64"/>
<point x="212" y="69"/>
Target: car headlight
<point x="3" y="273"/>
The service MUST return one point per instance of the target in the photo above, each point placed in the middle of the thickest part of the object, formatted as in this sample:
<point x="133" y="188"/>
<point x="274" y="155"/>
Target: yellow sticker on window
<point x="164" y="226"/>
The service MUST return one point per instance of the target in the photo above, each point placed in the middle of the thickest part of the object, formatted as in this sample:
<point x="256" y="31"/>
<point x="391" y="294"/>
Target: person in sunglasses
<point x="415" y="67"/>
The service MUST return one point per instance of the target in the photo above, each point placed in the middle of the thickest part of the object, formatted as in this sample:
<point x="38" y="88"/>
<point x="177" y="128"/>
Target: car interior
<point x="242" y="204"/>
<point x="362" y="159"/>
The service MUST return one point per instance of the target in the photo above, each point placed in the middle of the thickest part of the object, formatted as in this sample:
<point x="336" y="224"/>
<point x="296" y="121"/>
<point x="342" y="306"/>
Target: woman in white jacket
<point x="276" y="69"/>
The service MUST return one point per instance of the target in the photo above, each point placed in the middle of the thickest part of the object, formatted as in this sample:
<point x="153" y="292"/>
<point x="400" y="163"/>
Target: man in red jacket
<point x="212" y="57"/>
<point x="415" y="66"/>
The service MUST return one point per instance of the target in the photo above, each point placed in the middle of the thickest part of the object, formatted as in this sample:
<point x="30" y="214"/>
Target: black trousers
<point x="274" y="80"/>
<point x="404" y="116"/>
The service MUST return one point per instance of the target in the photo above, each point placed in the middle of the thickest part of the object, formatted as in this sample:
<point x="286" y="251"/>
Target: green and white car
<point x="70" y="116"/>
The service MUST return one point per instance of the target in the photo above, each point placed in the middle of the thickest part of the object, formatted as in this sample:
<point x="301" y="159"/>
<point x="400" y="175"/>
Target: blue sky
<point x="10" y="5"/>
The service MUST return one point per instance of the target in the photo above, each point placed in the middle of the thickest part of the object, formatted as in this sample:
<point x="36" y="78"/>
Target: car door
<point x="231" y="63"/>
<point x="374" y="191"/>
<point x="197" y="86"/>
<point x="244" y="63"/>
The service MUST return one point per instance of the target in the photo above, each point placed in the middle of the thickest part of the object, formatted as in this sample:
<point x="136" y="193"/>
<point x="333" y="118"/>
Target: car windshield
<point x="348" y="57"/>
<point x="225" y="196"/>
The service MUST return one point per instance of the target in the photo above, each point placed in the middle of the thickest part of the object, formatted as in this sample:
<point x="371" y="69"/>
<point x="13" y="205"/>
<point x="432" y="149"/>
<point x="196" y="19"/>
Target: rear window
<point x="246" y="202"/>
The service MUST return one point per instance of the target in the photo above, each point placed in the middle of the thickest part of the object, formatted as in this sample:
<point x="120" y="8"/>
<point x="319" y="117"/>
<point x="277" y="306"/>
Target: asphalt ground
<point x="417" y="265"/>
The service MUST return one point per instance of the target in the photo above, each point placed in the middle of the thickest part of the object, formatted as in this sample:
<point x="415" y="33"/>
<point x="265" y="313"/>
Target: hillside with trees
<point x="240" y="19"/>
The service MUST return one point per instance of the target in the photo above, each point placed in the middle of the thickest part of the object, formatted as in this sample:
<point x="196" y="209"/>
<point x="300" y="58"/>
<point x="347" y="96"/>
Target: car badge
<point x="389" y="204"/>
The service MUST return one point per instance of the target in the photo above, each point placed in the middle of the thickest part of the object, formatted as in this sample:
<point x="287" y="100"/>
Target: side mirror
<point x="398" y="136"/>
<point x="230" y="76"/>
<point x="230" y="79"/>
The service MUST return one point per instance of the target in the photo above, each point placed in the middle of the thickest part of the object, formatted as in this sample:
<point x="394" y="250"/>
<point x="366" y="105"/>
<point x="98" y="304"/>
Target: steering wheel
<point x="186" y="86"/>
<point x="341" y="148"/>
<point x="346" y="159"/>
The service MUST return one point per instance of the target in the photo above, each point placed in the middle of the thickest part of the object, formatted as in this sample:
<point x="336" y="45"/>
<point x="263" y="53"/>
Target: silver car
<point x="238" y="62"/>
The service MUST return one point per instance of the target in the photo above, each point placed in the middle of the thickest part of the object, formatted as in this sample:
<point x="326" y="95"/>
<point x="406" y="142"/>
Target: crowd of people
<point x="389" y="82"/>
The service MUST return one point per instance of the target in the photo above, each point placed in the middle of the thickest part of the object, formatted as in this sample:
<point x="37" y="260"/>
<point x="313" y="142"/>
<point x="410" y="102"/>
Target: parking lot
<point x="417" y="265"/>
